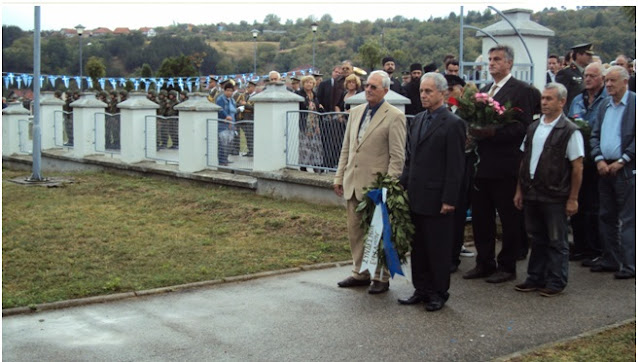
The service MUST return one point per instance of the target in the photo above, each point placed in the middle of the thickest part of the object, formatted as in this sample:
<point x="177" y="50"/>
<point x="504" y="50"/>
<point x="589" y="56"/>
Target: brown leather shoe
<point x="350" y="282"/>
<point x="378" y="287"/>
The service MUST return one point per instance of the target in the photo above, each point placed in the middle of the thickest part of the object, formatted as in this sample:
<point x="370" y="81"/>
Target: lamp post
<point x="80" y="30"/>
<point x="255" y="33"/>
<point x="313" y="26"/>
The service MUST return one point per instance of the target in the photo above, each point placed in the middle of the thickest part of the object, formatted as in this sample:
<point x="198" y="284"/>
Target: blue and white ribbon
<point x="380" y="228"/>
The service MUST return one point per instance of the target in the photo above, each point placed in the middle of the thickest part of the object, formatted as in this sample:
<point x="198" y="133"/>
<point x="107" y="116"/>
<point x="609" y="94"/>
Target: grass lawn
<point x="618" y="344"/>
<point x="109" y="233"/>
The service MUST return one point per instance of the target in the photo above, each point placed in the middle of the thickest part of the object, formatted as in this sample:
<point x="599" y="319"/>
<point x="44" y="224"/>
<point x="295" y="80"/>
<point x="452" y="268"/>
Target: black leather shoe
<point x="577" y="257"/>
<point x="378" y="287"/>
<point x="478" y="272"/>
<point x="624" y="274"/>
<point x="590" y="262"/>
<point x="434" y="305"/>
<point x="413" y="299"/>
<point x="352" y="282"/>
<point x="501" y="277"/>
<point x="599" y="268"/>
<point x="526" y="287"/>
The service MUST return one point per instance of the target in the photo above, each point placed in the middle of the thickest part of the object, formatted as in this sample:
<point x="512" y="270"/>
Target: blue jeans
<point x="617" y="219"/>
<point x="546" y="225"/>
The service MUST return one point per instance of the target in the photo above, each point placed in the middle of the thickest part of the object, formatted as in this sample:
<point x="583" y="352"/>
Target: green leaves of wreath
<point x="399" y="212"/>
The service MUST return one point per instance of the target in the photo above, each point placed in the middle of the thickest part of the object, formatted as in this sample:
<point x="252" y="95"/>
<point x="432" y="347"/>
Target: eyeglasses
<point x="368" y="85"/>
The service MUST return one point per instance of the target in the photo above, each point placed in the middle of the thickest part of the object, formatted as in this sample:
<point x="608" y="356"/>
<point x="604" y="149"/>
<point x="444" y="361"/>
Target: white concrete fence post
<point x="11" y="118"/>
<point x="51" y="129"/>
<point x="136" y="134"/>
<point x="193" y="116"/>
<point x="85" y="121"/>
<point x="271" y="107"/>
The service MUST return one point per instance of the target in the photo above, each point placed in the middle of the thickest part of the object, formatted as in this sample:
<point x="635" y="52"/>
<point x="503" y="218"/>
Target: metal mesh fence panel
<point x="161" y="141"/>
<point x="230" y="145"/>
<point x="313" y="140"/>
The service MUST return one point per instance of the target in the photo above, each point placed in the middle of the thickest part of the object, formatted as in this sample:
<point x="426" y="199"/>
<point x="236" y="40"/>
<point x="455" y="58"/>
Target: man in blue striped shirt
<point x="613" y="143"/>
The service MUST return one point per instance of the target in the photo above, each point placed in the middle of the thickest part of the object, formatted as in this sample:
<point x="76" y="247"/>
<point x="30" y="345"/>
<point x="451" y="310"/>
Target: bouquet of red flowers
<point x="480" y="110"/>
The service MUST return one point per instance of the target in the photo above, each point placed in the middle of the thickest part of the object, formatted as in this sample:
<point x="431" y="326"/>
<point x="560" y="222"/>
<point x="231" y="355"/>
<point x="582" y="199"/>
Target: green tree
<point x="146" y="71"/>
<point x="370" y="53"/>
<point x="95" y="69"/>
<point x="180" y="66"/>
<point x="10" y="34"/>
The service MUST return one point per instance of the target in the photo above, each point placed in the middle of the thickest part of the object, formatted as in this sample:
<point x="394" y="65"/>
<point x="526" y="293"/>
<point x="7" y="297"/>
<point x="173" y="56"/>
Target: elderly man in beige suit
<point x="374" y="142"/>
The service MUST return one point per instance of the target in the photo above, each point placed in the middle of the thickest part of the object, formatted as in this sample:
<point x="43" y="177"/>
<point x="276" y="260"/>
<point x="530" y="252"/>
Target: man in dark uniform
<point x="389" y="65"/>
<point x="572" y="76"/>
<point x="162" y="129"/>
<point x="173" y="124"/>
<point x="213" y="89"/>
<point x="405" y="78"/>
<point x="294" y="84"/>
<point x="68" y="117"/>
<point x="111" y="121"/>
<point x="249" y="116"/>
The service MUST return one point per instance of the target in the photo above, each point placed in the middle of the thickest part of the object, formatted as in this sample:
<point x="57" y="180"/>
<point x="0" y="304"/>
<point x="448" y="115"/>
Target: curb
<point x="163" y="290"/>
<point x="593" y="332"/>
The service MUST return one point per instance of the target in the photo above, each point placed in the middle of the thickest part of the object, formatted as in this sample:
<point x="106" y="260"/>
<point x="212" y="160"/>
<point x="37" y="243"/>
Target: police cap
<point x="583" y="48"/>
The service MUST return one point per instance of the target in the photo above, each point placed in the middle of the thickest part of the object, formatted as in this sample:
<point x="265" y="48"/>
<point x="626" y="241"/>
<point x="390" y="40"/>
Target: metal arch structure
<point x="520" y="36"/>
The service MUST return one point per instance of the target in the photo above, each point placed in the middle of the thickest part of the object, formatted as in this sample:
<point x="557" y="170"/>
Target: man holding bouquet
<point x="497" y="170"/>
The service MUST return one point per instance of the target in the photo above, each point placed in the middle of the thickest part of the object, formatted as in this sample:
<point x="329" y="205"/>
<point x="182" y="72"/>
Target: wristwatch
<point x="621" y="161"/>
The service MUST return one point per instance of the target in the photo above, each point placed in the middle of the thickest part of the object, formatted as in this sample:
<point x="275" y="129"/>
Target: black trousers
<point x="430" y="256"/>
<point x="585" y="222"/>
<point x="488" y="197"/>
<point x="464" y="202"/>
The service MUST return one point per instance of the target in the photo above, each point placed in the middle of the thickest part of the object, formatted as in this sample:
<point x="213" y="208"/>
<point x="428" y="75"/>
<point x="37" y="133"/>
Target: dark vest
<point x="552" y="179"/>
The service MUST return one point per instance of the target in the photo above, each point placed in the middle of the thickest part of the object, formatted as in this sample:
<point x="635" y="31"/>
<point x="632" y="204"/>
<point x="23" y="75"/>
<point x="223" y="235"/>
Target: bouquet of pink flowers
<point x="480" y="110"/>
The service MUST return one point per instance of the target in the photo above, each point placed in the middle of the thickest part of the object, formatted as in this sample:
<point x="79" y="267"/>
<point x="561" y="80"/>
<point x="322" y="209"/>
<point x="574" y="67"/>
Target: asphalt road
<point x="304" y="316"/>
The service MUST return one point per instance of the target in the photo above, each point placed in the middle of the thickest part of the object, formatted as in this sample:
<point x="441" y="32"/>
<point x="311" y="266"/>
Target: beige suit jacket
<point x="382" y="149"/>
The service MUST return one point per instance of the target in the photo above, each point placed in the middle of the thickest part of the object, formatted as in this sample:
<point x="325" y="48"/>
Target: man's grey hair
<point x="597" y="66"/>
<point x="274" y="72"/>
<point x="624" y="74"/>
<point x="509" y="52"/>
<point x="439" y="80"/>
<point x="561" y="90"/>
<point x="385" y="78"/>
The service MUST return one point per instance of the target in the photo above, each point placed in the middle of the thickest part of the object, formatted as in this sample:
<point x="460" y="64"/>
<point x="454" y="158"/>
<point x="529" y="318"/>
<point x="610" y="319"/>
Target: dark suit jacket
<point x="627" y="131"/>
<point x="324" y="94"/>
<point x="434" y="164"/>
<point x="500" y="155"/>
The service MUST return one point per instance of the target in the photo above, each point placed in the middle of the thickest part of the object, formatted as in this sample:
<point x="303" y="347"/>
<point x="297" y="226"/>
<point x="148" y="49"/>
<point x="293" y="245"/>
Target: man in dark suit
<point x="432" y="176"/>
<point x="324" y="90"/>
<point x="496" y="175"/>
<point x="613" y="143"/>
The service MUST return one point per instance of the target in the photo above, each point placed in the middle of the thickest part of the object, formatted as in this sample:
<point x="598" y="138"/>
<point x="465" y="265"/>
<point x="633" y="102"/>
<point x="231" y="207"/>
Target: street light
<point x="255" y="33"/>
<point x="313" y="26"/>
<point x="80" y="30"/>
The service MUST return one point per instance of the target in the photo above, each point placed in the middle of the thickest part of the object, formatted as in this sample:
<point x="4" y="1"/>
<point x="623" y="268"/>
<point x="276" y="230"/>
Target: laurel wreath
<point x="399" y="214"/>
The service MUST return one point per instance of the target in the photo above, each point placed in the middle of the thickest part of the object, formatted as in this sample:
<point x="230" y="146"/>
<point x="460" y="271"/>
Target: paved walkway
<point x="304" y="316"/>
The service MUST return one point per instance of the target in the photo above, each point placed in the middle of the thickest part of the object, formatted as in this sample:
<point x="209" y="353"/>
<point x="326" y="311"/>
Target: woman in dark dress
<point x="310" y="147"/>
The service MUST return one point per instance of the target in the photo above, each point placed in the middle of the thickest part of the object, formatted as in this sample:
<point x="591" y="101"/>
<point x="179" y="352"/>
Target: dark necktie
<point x="424" y="125"/>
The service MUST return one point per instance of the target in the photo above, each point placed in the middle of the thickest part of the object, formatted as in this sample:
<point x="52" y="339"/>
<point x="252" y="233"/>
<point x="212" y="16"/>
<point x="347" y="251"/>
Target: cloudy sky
<point x="140" y="13"/>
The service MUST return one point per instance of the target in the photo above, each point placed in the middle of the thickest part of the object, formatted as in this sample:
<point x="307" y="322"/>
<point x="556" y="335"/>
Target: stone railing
<point x="138" y="137"/>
